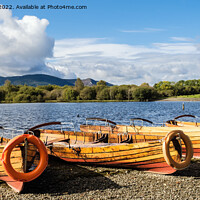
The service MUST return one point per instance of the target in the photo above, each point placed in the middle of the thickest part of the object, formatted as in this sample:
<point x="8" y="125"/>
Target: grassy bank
<point x="195" y="97"/>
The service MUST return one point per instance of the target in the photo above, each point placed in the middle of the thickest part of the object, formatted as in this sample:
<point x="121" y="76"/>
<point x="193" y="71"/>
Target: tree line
<point x="168" y="89"/>
<point x="100" y="92"/>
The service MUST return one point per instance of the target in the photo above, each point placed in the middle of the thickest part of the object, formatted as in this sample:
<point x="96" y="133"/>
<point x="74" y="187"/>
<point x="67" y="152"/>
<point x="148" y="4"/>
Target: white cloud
<point x="24" y="45"/>
<point x="25" y="48"/>
<point x="176" y="48"/>
<point x="145" y="30"/>
<point x="182" y="39"/>
<point x="127" y="64"/>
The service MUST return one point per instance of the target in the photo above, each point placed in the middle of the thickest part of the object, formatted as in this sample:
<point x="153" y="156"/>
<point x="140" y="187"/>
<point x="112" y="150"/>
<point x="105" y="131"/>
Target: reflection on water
<point x="26" y="115"/>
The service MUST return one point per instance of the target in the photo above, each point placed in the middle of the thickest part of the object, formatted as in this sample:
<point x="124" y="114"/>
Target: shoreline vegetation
<point x="163" y="91"/>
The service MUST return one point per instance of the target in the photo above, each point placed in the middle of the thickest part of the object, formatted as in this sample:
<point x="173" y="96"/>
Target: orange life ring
<point x="25" y="177"/>
<point x="188" y="145"/>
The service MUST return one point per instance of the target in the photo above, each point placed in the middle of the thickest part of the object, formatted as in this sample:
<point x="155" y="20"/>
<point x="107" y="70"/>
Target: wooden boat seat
<point x="57" y="140"/>
<point x="103" y="138"/>
<point x="81" y="145"/>
<point x="128" y="140"/>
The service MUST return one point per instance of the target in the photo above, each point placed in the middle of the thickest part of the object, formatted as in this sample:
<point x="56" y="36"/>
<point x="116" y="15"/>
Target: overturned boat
<point x="23" y="157"/>
<point x="161" y="155"/>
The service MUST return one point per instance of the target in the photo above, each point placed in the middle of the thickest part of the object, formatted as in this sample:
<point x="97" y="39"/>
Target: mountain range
<point x="43" y="79"/>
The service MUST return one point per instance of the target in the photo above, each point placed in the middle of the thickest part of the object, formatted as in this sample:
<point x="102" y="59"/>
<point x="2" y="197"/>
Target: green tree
<point x="56" y="94"/>
<point x="88" y="93"/>
<point x="101" y="83"/>
<point x="113" y="92"/>
<point x="164" y="85"/>
<point x="46" y="87"/>
<point x="103" y="94"/>
<point x="123" y="92"/>
<point x="2" y="94"/>
<point x="145" y="94"/>
<point x="144" y="85"/>
<point x="79" y="84"/>
<point x="22" y="98"/>
<point x="70" y="94"/>
<point x="7" y="86"/>
<point x="165" y="88"/>
<point x="28" y="94"/>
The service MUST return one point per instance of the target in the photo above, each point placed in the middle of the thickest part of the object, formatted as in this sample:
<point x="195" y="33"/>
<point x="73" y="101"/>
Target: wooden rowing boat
<point x="176" y="123"/>
<point x="143" y="152"/>
<point x="22" y="159"/>
<point x="154" y="131"/>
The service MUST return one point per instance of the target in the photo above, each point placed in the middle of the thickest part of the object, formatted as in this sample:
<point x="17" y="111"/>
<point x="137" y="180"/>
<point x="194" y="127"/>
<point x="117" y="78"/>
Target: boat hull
<point x="143" y="155"/>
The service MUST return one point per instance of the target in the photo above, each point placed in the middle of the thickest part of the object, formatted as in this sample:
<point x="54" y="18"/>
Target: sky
<point x="119" y="41"/>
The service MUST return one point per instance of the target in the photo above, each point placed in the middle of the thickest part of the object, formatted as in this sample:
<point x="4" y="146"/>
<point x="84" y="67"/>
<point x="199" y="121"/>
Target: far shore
<point x="99" y="101"/>
<point x="180" y="99"/>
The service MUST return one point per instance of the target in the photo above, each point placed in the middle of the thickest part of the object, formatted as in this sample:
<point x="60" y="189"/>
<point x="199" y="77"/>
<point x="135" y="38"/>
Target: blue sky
<point x="145" y="21"/>
<point x="123" y="42"/>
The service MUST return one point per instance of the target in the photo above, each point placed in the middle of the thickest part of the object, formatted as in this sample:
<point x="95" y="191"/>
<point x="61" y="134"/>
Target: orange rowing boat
<point x="161" y="155"/>
<point x="132" y="129"/>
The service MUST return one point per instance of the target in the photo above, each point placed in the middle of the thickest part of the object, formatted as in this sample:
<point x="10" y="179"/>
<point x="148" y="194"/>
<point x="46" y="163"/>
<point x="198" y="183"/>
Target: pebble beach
<point x="67" y="181"/>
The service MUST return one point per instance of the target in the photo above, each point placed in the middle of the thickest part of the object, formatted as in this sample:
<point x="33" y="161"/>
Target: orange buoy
<point x="166" y="152"/>
<point x="29" y="176"/>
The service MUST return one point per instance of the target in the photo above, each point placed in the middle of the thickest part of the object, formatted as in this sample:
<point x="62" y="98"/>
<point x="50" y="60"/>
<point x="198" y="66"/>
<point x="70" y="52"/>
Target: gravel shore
<point x="66" y="181"/>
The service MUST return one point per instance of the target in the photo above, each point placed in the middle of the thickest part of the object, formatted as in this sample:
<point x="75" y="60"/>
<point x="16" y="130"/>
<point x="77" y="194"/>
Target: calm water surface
<point x="26" y="115"/>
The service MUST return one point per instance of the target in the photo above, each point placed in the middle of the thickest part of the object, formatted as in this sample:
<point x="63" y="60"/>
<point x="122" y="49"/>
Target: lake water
<point x="26" y="115"/>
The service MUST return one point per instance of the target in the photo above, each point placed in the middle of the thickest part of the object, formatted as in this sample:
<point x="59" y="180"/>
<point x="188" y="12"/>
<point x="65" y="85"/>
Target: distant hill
<point x="42" y="79"/>
<point x="91" y="82"/>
